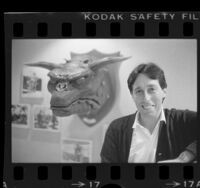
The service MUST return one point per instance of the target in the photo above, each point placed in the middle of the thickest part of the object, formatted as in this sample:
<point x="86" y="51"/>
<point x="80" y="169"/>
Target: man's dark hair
<point x="151" y="70"/>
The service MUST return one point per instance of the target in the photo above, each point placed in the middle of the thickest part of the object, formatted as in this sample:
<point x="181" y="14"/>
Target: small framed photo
<point x="20" y="115"/>
<point x="76" y="151"/>
<point x="31" y="83"/>
<point x="43" y="119"/>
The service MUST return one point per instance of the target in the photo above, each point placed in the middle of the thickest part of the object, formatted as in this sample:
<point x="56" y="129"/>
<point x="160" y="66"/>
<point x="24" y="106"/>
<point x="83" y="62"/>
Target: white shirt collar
<point x="161" y="118"/>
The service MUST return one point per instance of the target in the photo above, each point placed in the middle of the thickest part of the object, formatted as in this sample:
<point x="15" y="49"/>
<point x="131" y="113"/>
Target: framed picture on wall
<point x="76" y="151"/>
<point x="31" y="83"/>
<point x="20" y="115"/>
<point x="43" y="119"/>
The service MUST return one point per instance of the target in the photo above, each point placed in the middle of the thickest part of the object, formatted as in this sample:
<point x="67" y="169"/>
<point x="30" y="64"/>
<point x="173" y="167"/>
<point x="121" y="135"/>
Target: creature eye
<point x="61" y="86"/>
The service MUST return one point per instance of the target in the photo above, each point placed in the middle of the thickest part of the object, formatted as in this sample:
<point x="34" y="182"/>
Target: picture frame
<point x="20" y="115"/>
<point x="76" y="151"/>
<point x="44" y="119"/>
<point x="31" y="86"/>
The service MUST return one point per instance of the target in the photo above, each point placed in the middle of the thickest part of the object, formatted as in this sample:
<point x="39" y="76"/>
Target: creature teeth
<point x="87" y="106"/>
<point x="89" y="111"/>
<point x="95" y="106"/>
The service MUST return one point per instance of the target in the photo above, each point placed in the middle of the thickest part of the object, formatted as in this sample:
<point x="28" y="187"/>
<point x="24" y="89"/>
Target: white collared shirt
<point x="144" y="144"/>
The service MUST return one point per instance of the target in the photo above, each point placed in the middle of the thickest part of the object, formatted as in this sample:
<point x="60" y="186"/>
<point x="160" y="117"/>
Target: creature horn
<point x="46" y="65"/>
<point x="107" y="60"/>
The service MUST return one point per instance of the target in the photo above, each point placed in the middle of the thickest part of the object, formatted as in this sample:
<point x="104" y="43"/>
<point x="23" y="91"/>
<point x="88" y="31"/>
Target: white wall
<point x="178" y="58"/>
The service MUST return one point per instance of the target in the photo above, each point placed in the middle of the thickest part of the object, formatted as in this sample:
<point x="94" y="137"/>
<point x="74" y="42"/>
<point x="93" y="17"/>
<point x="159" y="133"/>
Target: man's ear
<point x="164" y="94"/>
<point x="165" y="91"/>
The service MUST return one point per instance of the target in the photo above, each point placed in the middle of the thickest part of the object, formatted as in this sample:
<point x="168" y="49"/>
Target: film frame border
<point x="68" y="26"/>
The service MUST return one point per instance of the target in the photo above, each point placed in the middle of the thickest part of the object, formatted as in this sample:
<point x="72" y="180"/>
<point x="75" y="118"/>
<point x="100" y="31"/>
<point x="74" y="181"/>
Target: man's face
<point x="148" y="95"/>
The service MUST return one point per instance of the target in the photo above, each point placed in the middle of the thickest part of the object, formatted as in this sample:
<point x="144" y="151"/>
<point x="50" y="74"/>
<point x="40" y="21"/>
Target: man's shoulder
<point x="123" y="122"/>
<point x="179" y="113"/>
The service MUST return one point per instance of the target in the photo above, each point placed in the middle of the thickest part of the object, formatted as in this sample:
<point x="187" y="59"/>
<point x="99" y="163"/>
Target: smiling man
<point x="152" y="134"/>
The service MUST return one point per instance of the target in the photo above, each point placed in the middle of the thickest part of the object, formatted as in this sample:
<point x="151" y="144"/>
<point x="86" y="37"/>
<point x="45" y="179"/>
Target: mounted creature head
<point x="82" y="85"/>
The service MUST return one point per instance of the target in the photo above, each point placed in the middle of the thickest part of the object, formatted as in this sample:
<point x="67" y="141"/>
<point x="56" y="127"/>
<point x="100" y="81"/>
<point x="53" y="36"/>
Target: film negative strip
<point x="101" y="100"/>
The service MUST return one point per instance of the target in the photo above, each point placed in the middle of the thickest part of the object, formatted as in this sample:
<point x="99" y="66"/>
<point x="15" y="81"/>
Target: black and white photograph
<point x="44" y="119"/>
<point x="20" y="115"/>
<point x="31" y="84"/>
<point x="76" y="151"/>
<point x="134" y="99"/>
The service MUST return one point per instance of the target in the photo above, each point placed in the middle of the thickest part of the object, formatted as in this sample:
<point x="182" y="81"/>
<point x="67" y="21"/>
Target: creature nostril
<point x="86" y="61"/>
